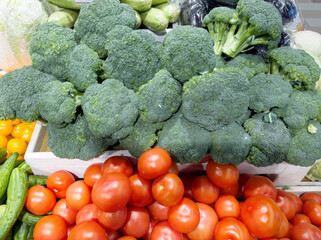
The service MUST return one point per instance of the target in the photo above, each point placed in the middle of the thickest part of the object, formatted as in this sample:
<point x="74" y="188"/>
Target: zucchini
<point x="29" y="218"/>
<point x="157" y="2"/>
<point x="3" y="155"/>
<point x="5" y="171"/>
<point x="139" y="5"/>
<point x="139" y="19"/>
<point x="155" y="19"/>
<point x="20" y="231"/>
<point x="171" y="10"/>
<point x="37" y="180"/>
<point x="65" y="4"/>
<point x="26" y="168"/>
<point x="16" y="197"/>
<point x="64" y="17"/>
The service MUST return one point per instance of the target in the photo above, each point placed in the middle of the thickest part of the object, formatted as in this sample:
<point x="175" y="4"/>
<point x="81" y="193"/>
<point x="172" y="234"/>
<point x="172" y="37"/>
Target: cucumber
<point x="3" y="155"/>
<point x="9" y="235"/>
<point x="16" y="197"/>
<point x="171" y="10"/>
<point x="37" y="180"/>
<point x="3" y="198"/>
<point x="29" y="218"/>
<point x="155" y="19"/>
<point x="5" y="171"/>
<point x="20" y="231"/>
<point x="64" y="17"/>
<point x="65" y="4"/>
<point x="30" y="233"/>
<point x="138" y="5"/>
<point x="26" y="168"/>
<point x="2" y="210"/>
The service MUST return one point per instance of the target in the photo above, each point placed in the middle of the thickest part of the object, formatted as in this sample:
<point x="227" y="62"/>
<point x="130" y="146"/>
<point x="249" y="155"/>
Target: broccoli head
<point x="110" y="107"/>
<point x="160" y="97"/>
<point x="188" y="51"/>
<point x="185" y="141"/>
<point x="295" y="66"/>
<point x="98" y="18"/>
<point x="50" y="48"/>
<point x="230" y="144"/>
<point x="215" y="99"/>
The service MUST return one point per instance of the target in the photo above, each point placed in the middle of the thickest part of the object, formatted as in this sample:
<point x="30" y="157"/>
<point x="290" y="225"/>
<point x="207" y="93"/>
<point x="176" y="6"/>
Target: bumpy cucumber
<point x="20" y="231"/>
<point x="2" y="210"/>
<point x="30" y="233"/>
<point x="37" y="180"/>
<point x="26" y="168"/>
<point x="29" y="218"/>
<point x="5" y="171"/>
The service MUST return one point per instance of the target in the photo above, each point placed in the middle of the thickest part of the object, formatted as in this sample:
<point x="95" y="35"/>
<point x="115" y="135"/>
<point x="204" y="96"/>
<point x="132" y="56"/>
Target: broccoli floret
<point x="305" y="146"/>
<point x="230" y="144"/>
<point x="84" y="67"/>
<point x="19" y="93"/>
<point x="76" y="141"/>
<point x="188" y="52"/>
<point x="160" y="97"/>
<point x="268" y="91"/>
<point x="295" y="66"/>
<point x="109" y="107"/>
<point x="270" y="139"/>
<point x="117" y="33"/>
<point x="133" y="59"/>
<point x="98" y="18"/>
<point x="185" y="141"/>
<point x="58" y="102"/>
<point x="50" y="48"/>
<point x="215" y="99"/>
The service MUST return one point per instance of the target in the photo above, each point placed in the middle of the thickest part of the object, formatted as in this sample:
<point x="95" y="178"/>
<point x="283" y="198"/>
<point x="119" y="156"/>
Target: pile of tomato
<point x="126" y="199"/>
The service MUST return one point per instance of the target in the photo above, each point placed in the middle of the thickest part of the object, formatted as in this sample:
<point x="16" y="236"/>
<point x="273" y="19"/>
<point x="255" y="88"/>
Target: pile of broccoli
<point x="105" y="85"/>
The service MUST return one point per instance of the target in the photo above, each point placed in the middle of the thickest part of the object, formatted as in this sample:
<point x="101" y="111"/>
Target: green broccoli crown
<point x="19" y="93"/>
<point x="50" y="48"/>
<point x="117" y="33"/>
<point x="230" y="144"/>
<point x="109" y="107"/>
<point x="160" y="97"/>
<point x="215" y="99"/>
<point x="185" y="141"/>
<point x="218" y="15"/>
<point x="295" y="66"/>
<point x="188" y="52"/>
<point x="84" y="67"/>
<point x="134" y="59"/>
<point x="98" y="18"/>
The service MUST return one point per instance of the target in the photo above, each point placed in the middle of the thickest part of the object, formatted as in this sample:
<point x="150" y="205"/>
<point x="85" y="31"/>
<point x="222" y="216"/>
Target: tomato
<point x="70" y="228"/>
<point x="112" y="221"/>
<point x="313" y="210"/>
<point x="284" y="227"/>
<point x="158" y="211"/>
<point x="151" y="226"/>
<point x="93" y="173"/>
<point x="113" y="235"/>
<point x="286" y="204"/>
<point x="59" y="181"/>
<point x="17" y="145"/>
<point x="89" y="230"/>
<point x="15" y="121"/>
<point x="50" y="227"/>
<point x="231" y="190"/>
<point x="187" y="180"/>
<point x="300" y="218"/>
<point x="204" y="190"/>
<point x="78" y="195"/>
<point x="262" y="216"/>
<point x="118" y="164"/>
<point x="173" y="168"/>
<point x="111" y="192"/>
<point x="168" y="189"/>
<point x="311" y="196"/>
<point x="63" y="210"/>
<point x="26" y="134"/>
<point x="127" y="238"/>
<point x="17" y="130"/>
<point x="141" y="191"/>
<point x="164" y="230"/>
<point x="5" y="127"/>
<point x="137" y="222"/>
<point x="154" y="163"/>
<point x="259" y="186"/>
<point x="298" y="202"/>
<point x="305" y="231"/>
<point x="223" y="175"/>
<point x="227" y="206"/>
<point x="40" y="200"/>
<point x="208" y="220"/>
<point x="3" y="141"/>
<point x="231" y="228"/>
<point x="242" y="180"/>
<point x="87" y="213"/>
<point x="184" y="217"/>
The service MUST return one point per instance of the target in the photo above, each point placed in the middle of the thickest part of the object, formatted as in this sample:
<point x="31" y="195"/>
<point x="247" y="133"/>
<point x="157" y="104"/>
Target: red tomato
<point x="70" y="228"/>
<point x="141" y="191"/>
<point x="204" y="190"/>
<point x="284" y="227"/>
<point x="158" y="211"/>
<point x="111" y="192"/>
<point x="78" y="195"/>
<point x="242" y="180"/>
<point x="187" y="180"/>
<point x="118" y="164"/>
<point x="286" y="203"/>
<point x="40" y="200"/>
<point x="89" y="230"/>
<point x="151" y="226"/>
<point x="113" y="235"/>
<point x="154" y="163"/>
<point x="63" y="210"/>
<point x="87" y="213"/>
<point x="112" y="221"/>
<point x="59" y="181"/>
<point x="227" y="206"/>
<point x="231" y="228"/>
<point x="173" y="168"/>
<point x="298" y="202"/>
<point x="259" y="186"/>
<point x="300" y="218"/>
<point x="305" y="231"/>
<point x="137" y="222"/>
<point x="223" y="175"/>
<point x="311" y="196"/>
<point x="231" y="190"/>
<point x="50" y="227"/>
<point x="127" y="238"/>
<point x="262" y="216"/>
<point x="205" y="228"/>
<point x="93" y="173"/>
<point x="168" y="189"/>
<point x="164" y="230"/>
<point x="313" y="210"/>
<point x="184" y="217"/>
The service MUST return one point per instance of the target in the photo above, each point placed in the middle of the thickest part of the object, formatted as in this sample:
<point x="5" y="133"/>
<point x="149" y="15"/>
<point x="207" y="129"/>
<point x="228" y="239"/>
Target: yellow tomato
<point x="26" y="134"/>
<point x="21" y="157"/>
<point x="3" y="141"/>
<point x="30" y="125"/>
<point x="17" y="145"/>
<point x="5" y="127"/>
<point x="15" y="122"/>
<point x="18" y="130"/>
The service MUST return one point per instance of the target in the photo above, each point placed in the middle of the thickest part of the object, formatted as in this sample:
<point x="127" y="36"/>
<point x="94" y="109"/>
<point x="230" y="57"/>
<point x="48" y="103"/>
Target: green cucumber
<point x="20" y="231"/>
<point x="3" y="155"/>
<point x="37" y="180"/>
<point x="29" y="218"/>
<point x="139" y="5"/>
<point x="9" y="235"/>
<point x="155" y="19"/>
<point x="65" y="4"/>
<point x="26" y="168"/>
<point x="64" y="17"/>
<point x="3" y="198"/>
<point x="30" y="233"/>
<point x="2" y="210"/>
<point x="171" y="10"/>
<point x="5" y="171"/>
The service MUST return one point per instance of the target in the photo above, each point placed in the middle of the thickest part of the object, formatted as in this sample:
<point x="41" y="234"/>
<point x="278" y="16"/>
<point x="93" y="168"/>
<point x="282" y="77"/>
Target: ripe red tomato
<point x="286" y="204"/>
<point x="305" y="231"/>
<point x="40" y="200"/>
<point x="223" y="175"/>
<point x="154" y="163"/>
<point x="113" y="235"/>
<point x="173" y="168"/>
<point x="89" y="230"/>
<point x="78" y="195"/>
<point x="87" y="213"/>
<point x="59" y="181"/>
<point x="204" y="190"/>
<point x="63" y="210"/>
<point x="298" y="202"/>
<point x="311" y="196"/>
<point x="242" y="180"/>
<point x="141" y="191"/>
<point x="227" y="206"/>
<point x="313" y="210"/>
<point x="118" y="164"/>
<point x="151" y="226"/>
<point x="70" y="228"/>
<point x="284" y="227"/>
<point x="300" y="218"/>
<point x="112" y="221"/>
<point x="231" y="228"/>
<point x="163" y="230"/>
<point x="259" y="186"/>
<point x="187" y="180"/>
<point x="168" y="189"/>
<point x="231" y="190"/>
<point x="50" y="227"/>
<point x="137" y="222"/>
<point x="158" y="211"/>
<point x="127" y="238"/>
<point x="93" y="173"/>
<point x="111" y="192"/>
